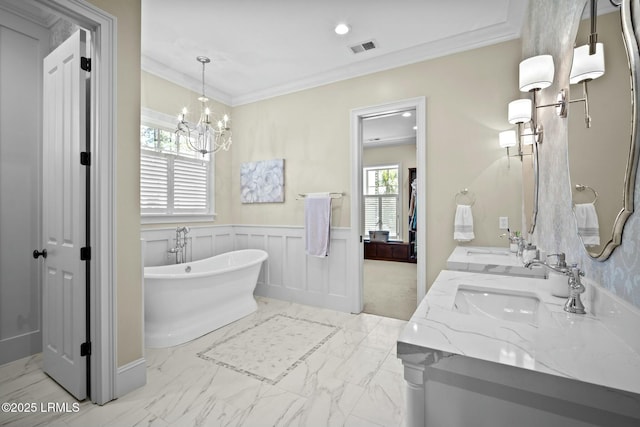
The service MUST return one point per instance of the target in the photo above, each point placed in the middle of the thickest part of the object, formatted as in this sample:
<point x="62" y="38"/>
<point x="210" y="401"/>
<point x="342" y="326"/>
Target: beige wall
<point x="405" y="156"/>
<point x="129" y="280"/>
<point x="467" y="96"/>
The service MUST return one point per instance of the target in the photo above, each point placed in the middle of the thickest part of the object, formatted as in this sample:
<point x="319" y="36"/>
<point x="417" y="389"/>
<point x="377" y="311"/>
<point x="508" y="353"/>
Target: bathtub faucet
<point x="573" y="304"/>
<point x="181" y="244"/>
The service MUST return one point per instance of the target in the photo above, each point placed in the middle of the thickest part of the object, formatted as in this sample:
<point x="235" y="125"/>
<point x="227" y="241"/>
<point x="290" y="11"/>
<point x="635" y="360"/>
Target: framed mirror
<point x="530" y="182"/>
<point x="603" y="157"/>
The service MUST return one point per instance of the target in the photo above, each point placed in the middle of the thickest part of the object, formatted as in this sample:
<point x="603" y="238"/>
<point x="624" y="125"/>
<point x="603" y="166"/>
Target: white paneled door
<point x="64" y="216"/>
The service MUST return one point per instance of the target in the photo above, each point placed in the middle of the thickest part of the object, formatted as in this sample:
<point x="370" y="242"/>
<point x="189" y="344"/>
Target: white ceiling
<point x="264" y="48"/>
<point x="389" y="129"/>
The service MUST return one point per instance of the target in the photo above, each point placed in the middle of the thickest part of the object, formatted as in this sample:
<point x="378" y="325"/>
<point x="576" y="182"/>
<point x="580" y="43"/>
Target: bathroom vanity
<point x="492" y="260"/>
<point x="490" y="350"/>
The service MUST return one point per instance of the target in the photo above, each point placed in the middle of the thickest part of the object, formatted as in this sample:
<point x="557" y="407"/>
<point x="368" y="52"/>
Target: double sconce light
<point x="537" y="73"/>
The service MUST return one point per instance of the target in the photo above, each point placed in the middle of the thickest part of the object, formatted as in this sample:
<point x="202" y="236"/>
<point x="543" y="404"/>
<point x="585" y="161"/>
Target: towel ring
<point x="465" y="193"/>
<point x="581" y="187"/>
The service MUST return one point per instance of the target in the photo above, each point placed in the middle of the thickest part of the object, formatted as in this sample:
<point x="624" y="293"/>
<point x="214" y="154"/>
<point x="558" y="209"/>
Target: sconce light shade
<point x="536" y="73"/>
<point x="519" y="111"/>
<point x="507" y="138"/>
<point x="585" y="66"/>
<point x="528" y="136"/>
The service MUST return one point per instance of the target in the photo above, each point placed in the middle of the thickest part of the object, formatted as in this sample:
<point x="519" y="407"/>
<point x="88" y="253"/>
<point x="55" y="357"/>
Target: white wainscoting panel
<point x="204" y="242"/>
<point x="275" y="248"/>
<point x="295" y="272"/>
<point x="289" y="274"/>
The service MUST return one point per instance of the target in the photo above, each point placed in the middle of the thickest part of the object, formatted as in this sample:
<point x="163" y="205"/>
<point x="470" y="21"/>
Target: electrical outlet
<point x="503" y="222"/>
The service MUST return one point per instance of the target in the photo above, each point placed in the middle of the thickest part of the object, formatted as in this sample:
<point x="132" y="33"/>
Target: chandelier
<point x="210" y="134"/>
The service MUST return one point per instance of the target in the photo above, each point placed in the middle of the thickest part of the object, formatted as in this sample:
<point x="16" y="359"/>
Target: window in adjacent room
<point x="176" y="184"/>
<point x="381" y="199"/>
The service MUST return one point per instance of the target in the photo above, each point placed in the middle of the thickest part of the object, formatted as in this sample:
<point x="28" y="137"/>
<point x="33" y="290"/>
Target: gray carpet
<point x="390" y="288"/>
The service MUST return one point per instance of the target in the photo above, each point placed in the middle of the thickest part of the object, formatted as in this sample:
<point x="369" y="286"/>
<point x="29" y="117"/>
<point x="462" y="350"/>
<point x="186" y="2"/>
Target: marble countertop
<point x="493" y="260"/>
<point x="581" y="347"/>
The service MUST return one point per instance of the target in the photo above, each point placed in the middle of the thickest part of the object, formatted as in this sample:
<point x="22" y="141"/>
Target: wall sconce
<point x="519" y="111"/>
<point x="588" y="64"/>
<point x="520" y="114"/>
<point x="528" y="135"/>
<point x="536" y="73"/>
<point x="509" y="138"/>
<point x="586" y="67"/>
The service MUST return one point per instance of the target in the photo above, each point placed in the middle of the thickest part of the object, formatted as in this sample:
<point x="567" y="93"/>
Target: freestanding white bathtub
<point x="185" y="301"/>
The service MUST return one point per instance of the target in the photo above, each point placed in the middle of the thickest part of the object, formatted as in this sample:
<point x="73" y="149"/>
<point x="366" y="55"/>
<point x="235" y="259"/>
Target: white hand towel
<point x="588" y="227"/>
<point x="317" y="223"/>
<point x="463" y="224"/>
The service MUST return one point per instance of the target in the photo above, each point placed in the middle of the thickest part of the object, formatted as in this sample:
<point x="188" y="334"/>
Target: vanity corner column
<point x="414" y="375"/>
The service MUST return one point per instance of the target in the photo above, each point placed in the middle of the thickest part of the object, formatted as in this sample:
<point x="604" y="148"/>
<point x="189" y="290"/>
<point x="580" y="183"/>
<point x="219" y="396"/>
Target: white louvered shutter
<point x="154" y="173"/>
<point x="190" y="189"/>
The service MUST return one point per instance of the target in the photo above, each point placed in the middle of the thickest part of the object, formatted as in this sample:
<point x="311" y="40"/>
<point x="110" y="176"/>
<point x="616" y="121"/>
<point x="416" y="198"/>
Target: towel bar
<point x="581" y="187"/>
<point x="465" y="193"/>
<point x="332" y="195"/>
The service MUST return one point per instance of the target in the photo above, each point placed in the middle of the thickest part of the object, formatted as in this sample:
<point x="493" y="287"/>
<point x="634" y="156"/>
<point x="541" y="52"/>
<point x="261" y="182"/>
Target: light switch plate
<point x="503" y="222"/>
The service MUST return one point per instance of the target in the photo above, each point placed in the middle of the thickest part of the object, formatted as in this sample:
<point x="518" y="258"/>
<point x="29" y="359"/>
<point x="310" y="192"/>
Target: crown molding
<point x="508" y="29"/>
<point x="30" y="11"/>
<point x="163" y="71"/>
<point x="386" y="142"/>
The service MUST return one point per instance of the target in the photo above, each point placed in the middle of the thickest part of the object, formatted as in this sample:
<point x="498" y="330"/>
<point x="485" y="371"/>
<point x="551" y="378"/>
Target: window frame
<point x="155" y="119"/>
<point x="399" y="209"/>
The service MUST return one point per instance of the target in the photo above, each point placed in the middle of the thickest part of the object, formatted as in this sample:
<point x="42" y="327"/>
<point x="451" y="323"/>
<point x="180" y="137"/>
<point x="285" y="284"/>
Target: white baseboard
<point x="131" y="376"/>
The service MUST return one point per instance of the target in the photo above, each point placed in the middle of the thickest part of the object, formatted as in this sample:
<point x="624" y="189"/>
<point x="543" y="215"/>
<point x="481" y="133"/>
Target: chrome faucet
<point x="521" y="245"/>
<point x="181" y="243"/>
<point x="573" y="304"/>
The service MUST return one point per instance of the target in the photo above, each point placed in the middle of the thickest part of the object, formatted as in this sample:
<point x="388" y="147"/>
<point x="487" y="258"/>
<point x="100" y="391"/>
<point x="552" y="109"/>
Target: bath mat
<point x="269" y="350"/>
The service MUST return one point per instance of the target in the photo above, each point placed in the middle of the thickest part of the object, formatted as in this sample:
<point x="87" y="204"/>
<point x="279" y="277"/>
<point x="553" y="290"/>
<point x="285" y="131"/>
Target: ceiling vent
<point x="362" y="47"/>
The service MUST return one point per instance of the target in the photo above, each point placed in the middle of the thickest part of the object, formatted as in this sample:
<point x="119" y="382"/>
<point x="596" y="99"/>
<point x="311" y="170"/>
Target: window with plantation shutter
<point x="175" y="183"/>
<point x="154" y="172"/>
<point x="190" y="189"/>
<point x="381" y="199"/>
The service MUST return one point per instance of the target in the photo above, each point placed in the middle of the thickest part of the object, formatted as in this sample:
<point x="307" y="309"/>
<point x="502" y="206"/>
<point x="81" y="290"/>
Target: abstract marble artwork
<point x="262" y="181"/>
<point x="271" y="349"/>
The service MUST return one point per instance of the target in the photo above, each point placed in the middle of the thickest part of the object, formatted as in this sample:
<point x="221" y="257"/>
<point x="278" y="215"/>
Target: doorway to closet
<point x="388" y="162"/>
<point x="390" y="220"/>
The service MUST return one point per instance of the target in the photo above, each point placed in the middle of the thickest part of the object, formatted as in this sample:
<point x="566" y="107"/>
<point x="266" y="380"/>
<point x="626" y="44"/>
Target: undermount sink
<point x="497" y="304"/>
<point x="487" y="252"/>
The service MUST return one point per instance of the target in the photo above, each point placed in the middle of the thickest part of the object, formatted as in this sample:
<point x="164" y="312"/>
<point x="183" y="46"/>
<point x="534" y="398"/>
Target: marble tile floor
<point x="345" y="373"/>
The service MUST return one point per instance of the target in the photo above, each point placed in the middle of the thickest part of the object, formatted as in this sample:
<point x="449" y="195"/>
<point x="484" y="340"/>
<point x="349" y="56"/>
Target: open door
<point x="64" y="310"/>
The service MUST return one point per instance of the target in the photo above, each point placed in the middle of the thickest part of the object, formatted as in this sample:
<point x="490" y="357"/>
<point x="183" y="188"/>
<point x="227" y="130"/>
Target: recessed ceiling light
<point x="406" y="114"/>
<point x="415" y="128"/>
<point x="342" y="29"/>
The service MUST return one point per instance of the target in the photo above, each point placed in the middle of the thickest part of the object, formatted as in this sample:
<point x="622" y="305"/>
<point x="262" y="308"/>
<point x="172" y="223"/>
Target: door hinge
<point x="85" y="63"/>
<point x="85" y="349"/>
<point x="85" y="253"/>
<point x="85" y="158"/>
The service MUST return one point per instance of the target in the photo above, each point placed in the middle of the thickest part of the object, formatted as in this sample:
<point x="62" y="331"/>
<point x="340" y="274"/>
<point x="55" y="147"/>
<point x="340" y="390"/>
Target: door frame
<point x="357" y="245"/>
<point x="103" y="29"/>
